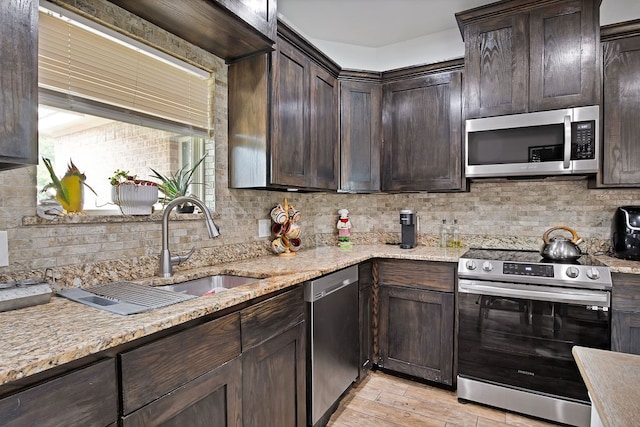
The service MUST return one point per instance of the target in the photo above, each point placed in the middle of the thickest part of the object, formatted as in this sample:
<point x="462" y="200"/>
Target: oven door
<point x="521" y="335"/>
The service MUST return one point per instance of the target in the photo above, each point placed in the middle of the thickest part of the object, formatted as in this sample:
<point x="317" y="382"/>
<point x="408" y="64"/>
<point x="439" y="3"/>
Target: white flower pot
<point x="135" y="199"/>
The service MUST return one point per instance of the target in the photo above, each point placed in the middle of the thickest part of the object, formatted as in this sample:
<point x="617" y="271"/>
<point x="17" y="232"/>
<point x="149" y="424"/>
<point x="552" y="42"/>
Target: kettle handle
<point x="574" y="236"/>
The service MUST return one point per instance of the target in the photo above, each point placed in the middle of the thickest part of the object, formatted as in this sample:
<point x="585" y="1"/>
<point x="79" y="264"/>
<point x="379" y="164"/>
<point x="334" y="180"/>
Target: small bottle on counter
<point x="454" y="236"/>
<point x="444" y="233"/>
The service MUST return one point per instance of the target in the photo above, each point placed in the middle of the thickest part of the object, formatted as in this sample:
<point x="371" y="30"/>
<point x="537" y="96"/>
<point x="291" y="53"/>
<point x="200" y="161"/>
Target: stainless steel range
<point x="519" y="315"/>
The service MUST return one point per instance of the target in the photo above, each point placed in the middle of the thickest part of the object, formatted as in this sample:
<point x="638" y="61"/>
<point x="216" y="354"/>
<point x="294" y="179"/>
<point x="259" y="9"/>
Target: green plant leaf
<point x="56" y="184"/>
<point x="176" y="184"/>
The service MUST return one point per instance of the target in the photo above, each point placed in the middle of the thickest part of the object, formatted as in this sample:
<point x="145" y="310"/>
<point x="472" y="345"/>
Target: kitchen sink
<point x="209" y="285"/>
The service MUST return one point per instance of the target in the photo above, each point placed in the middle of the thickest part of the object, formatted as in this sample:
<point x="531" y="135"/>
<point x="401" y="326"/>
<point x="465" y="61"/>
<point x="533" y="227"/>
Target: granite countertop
<point x="45" y="336"/>
<point x="613" y="382"/>
<point x="617" y="265"/>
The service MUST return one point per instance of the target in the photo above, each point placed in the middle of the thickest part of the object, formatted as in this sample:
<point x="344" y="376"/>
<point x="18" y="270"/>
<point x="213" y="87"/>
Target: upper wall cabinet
<point x="422" y="132"/>
<point x="230" y="29"/>
<point x="18" y="83"/>
<point x="360" y="132"/>
<point x="621" y="105"/>
<point x="525" y="55"/>
<point x="283" y="118"/>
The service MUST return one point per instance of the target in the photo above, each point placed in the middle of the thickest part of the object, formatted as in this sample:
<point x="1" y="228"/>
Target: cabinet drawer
<point x="437" y="276"/>
<point x="153" y="370"/>
<point x="86" y="397"/>
<point x="271" y="317"/>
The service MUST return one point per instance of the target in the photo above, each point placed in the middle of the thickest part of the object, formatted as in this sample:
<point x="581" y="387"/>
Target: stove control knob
<point x="471" y="265"/>
<point x="487" y="266"/>
<point x="573" y="272"/>
<point x="593" y="273"/>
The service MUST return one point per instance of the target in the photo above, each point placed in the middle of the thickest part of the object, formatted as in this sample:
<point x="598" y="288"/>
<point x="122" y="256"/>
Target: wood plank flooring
<point x="383" y="400"/>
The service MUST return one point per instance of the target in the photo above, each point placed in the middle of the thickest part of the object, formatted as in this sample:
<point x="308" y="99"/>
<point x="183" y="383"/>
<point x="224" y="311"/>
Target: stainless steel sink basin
<point x="209" y="285"/>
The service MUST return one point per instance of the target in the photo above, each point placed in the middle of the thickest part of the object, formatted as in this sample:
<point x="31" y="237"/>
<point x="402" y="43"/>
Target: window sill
<point x="108" y="219"/>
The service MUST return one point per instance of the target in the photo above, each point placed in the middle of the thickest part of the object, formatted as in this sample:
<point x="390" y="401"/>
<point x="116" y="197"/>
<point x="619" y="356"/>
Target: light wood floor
<point x="384" y="400"/>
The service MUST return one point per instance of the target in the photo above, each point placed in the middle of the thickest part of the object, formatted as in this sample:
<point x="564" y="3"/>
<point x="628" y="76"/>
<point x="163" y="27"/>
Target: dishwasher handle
<point x="326" y="285"/>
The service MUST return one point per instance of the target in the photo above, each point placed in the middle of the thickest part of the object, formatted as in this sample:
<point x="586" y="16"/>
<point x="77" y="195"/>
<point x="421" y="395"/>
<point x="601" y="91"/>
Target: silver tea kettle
<point x="560" y="248"/>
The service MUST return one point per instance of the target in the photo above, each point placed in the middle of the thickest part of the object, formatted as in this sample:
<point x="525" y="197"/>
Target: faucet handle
<point x="179" y="259"/>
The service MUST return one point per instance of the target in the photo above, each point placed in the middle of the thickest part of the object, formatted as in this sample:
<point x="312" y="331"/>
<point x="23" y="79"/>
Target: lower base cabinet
<point x="274" y="361"/>
<point x="273" y="385"/>
<point x="416" y="319"/>
<point x="625" y="313"/>
<point x="85" y="397"/>
<point x="213" y="399"/>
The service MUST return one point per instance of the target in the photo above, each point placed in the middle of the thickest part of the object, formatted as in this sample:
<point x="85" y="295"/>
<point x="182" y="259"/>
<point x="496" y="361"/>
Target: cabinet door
<point x="564" y="71"/>
<point x="416" y="332"/>
<point x="213" y="399"/>
<point x="625" y="313"/>
<point x="621" y="109"/>
<point x="290" y="149"/>
<point x="273" y="381"/>
<point x="422" y="134"/>
<point x="496" y="66"/>
<point x="86" y="397"/>
<point x="323" y="126"/>
<point x="19" y="83"/>
<point x="365" y="298"/>
<point x="625" y="332"/>
<point x="360" y="136"/>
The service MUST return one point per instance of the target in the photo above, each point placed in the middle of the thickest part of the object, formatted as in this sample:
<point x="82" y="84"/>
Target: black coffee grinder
<point x="409" y="230"/>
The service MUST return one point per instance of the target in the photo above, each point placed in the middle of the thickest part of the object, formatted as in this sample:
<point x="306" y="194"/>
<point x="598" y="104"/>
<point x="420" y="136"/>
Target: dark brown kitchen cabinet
<point x="18" y="83"/>
<point x="305" y="122"/>
<point x="365" y="304"/>
<point x="416" y="319"/>
<point x="283" y="118"/>
<point x="360" y="135"/>
<point x="625" y="313"/>
<point x="525" y="55"/>
<point x="84" y="397"/>
<point x="422" y="133"/>
<point x="212" y="399"/>
<point x="229" y="29"/>
<point x="273" y="361"/>
<point x="621" y="106"/>
<point x="172" y="364"/>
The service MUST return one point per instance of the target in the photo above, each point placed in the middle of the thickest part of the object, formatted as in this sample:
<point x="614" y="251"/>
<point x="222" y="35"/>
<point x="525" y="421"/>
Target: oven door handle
<point x="535" y="292"/>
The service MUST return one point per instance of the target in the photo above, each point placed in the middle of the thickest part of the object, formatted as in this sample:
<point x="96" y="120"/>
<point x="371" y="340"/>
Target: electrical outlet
<point x="4" y="249"/>
<point x="263" y="228"/>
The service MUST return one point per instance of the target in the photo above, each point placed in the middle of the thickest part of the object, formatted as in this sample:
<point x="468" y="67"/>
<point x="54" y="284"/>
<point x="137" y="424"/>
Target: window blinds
<point x="78" y="63"/>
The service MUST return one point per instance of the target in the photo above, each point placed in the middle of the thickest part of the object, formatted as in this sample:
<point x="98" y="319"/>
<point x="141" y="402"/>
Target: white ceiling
<point x="378" y="23"/>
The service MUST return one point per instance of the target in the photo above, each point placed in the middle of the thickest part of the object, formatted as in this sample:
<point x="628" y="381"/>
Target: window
<point x="107" y="103"/>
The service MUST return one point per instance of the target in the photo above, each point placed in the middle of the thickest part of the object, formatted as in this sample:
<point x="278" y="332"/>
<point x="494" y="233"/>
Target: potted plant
<point x="132" y="195"/>
<point x="177" y="184"/>
<point x="69" y="189"/>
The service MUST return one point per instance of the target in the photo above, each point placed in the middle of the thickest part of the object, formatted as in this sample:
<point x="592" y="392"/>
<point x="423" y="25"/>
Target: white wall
<point x="422" y="50"/>
<point x="438" y="46"/>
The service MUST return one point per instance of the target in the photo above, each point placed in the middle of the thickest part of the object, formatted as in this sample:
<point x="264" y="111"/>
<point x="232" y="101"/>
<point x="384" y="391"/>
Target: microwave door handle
<point x="567" y="142"/>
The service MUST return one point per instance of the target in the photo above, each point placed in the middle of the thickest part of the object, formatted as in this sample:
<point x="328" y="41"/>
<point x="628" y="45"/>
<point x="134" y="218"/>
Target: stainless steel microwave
<point x="556" y="142"/>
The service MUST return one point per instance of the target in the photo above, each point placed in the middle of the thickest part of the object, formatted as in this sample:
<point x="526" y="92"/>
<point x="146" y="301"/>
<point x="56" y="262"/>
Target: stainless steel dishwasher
<point x="332" y="303"/>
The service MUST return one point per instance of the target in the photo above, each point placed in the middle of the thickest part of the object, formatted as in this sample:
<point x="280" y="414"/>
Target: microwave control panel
<point x="583" y="140"/>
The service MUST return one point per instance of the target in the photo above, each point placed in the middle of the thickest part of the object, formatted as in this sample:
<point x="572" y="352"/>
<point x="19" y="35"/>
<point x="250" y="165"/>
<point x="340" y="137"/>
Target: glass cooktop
<point x="511" y="255"/>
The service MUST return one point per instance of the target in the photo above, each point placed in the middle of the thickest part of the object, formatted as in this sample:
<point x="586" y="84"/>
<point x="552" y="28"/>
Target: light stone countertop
<point x="41" y="337"/>
<point x="617" y="265"/>
<point x="613" y="381"/>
